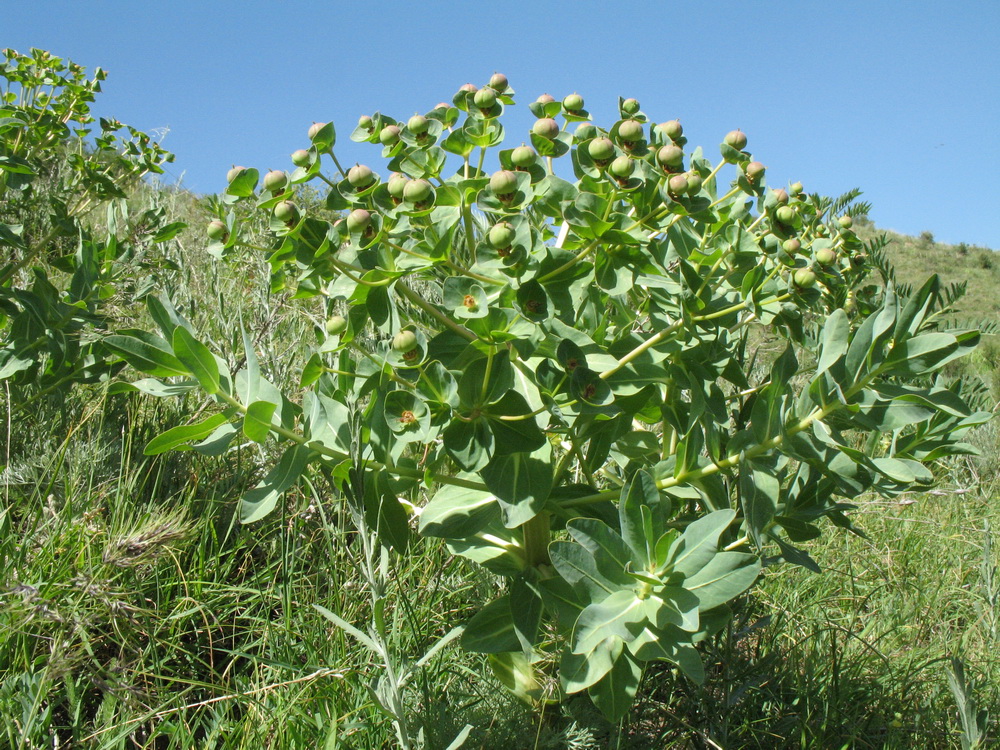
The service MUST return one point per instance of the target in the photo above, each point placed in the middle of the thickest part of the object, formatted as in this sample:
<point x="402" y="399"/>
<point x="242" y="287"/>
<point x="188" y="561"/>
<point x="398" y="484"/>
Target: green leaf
<point x="929" y="352"/>
<point x="244" y="184"/>
<point x="155" y="387"/>
<point x="615" y="694"/>
<point x="516" y="672"/>
<point x="491" y="629"/>
<point x="327" y="421"/>
<point x="262" y="499"/>
<point x="665" y="644"/>
<point x="579" y="671"/>
<point x="700" y="541"/>
<point x="218" y="442"/>
<point x="519" y="432"/>
<point x="578" y="567"/>
<point x="148" y="353"/>
<point x="620" y="614"/>
<point x="183" y="434"/>
<point x="637" y="527"/>
<point x="456" y="512"/>
<point x="386" y="514"/>
<point x="474" y="390"/>
<point x="836" y="332"/>
<point x="348" y="628"/>
<point x="169" y="231"/>
<point x="526" y="611"/>
<point x="198" y="359"/>
<point x="521" y="482"/>
<point x="672" y="605"/>
<point x="724" y="578"/>
<point x="760" y="493"/>
<point x="257" y="422"/>
<point x="609" y="550"/>
<point x="469" y="442"/>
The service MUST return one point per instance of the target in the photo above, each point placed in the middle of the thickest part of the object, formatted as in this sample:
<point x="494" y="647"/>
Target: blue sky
<point x="901" y="99"/>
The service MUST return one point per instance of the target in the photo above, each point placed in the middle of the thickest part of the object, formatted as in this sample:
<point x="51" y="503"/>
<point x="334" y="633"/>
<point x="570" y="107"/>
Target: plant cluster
<point x="565" y="379"/>
<point x="59" y="275"/>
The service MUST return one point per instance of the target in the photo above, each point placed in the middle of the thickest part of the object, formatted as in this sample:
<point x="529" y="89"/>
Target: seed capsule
<point x="546" y="127"/>
<point x="736" y="139"/>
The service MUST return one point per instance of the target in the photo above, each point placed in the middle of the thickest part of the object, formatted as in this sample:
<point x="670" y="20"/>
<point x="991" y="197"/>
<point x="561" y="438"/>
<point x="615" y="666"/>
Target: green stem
<point x="732" y="460"/>
<point x="337" y="163"/>
<point x="537" y="534"/>
<point x="651" y="341"/>
<point x="428" y="308"/>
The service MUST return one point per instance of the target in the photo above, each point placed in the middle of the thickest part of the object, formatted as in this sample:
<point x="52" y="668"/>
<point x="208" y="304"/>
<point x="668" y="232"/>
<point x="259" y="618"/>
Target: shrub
<point x="562" y="379"/>
<point x="59" y="274"/>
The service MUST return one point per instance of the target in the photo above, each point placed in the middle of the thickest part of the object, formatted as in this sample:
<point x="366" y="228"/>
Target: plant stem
<point x="536" y="534"/>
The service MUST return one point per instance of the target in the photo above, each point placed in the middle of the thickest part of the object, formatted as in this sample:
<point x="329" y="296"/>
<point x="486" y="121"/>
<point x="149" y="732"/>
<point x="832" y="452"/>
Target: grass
<point x="137" y="612"/>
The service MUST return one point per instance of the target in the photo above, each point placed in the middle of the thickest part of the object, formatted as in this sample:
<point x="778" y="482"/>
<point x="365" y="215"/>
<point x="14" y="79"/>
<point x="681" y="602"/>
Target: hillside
<point x="917" y="257"/>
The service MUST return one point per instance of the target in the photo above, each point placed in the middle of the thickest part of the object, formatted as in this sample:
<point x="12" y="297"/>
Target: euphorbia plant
<point x="561" y="377"/>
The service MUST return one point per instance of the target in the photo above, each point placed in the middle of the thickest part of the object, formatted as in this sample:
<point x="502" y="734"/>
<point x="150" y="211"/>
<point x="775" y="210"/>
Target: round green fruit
<point x="694" y="182"/>
<point x="671" y="129"/>
<point x="622" y="167"/>
<point x="336" y="325"/>
<point x="601" y="149"/>
<point x="670" y="156"/>
<point x="503" y="182"/>
<point x="546" y="128"/>
<point x="275" y="181"/>
<point x="359" y="176"/>
<point x="358" y="220"/>
<point x="217" y="230"/>
<point x="677" y="185"/>
<point x="736" y="139"/>
<point x="826" y="256"/>
<point x="791" y="246"/>
<point x="630" y="106"/>
<point x="417" y="191"/>
<point x="781" y="196"/>
<point x="846" y="222"/>
<point x="235" y="172"/>
<point x="501" y="235"/>
<point x="631" y="131"/>
<point x="585" y="131"/>
<point x="785" y="214"/>
<point x="498" y="82"/>
<point x="804" y="278"/>
<point x="485" y="98"/>
<point x="315" y="128"/>
<point x="389" y="135"/>
<point x="523" y="156"/>
<point x="545" y="99"/>
<point x="287" y="212"/>
<point x="573" y="103"/>
<point x="366" y="122"/>
<point x="470" y="88"/>
<point x="755" y="170"/>
<point x="300" y="158"/>
<point x="397" y="184"/>
<point x="417" y="124"/>
<point x="404" y="342"/>
<point x="796" y="188"/>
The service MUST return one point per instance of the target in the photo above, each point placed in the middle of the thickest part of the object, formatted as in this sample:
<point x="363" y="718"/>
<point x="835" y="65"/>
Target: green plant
<point x="60" y="274"/>
<point x="570" y="372"/>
